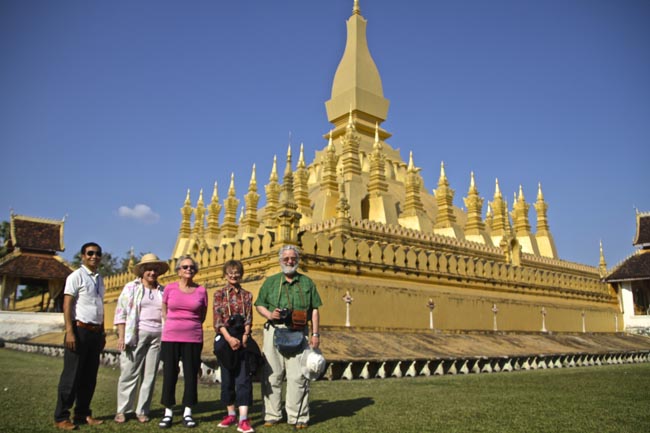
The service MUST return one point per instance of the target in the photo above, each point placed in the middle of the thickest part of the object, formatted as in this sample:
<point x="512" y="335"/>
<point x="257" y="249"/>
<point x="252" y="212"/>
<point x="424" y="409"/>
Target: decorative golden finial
<point x="497" y="190"/>
<point x="231" y="189"/>
<point x="301" y="158"/>
<point x="377" y="144"/>
<point x="241" y="215"/>
<point x="200" y="200"/>
<point x="411" y="166"/>
<point x="540" y="196"/>
<point x="356" y="10"/>
<point x="274" y="170"/>
<point x="330" y="145"/>
<point x="472" y="184"/>
<point x="287" y="169"/>
<point x="187" y="198"/>
<point x="253" y="182"/>
<point x="215" y="194"/>
<point x="488" y="212"/>
<point x="602" y="264"/>
<point x="521" y="194"/>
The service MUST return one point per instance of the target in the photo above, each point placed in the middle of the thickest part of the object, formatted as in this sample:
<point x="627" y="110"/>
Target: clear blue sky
<point x="109" y="105"/>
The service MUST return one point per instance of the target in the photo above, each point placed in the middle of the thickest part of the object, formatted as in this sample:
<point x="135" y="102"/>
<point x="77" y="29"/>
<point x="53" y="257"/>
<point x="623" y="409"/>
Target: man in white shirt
<point x="83" y="311"/>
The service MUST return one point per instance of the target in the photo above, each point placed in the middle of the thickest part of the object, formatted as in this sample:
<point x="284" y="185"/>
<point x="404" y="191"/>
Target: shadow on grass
<point x="323" y="410"/>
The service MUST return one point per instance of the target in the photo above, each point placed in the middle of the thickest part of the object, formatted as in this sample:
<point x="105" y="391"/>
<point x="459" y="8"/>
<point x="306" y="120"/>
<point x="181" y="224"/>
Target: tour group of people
<point x="156" y="323"/>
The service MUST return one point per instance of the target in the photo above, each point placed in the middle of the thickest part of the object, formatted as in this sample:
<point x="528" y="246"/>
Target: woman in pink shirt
<point x="184" y="307"/>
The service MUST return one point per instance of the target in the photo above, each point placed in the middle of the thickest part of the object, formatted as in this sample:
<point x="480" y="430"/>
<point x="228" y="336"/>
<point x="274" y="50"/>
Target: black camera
<point x="285" y="315"/>
<point x="236" y="321"/>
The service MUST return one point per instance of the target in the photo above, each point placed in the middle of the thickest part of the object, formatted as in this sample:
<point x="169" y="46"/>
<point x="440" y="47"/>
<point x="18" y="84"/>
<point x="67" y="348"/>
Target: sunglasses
<point x="190" y="267"/>
<point x="93" y="253"/>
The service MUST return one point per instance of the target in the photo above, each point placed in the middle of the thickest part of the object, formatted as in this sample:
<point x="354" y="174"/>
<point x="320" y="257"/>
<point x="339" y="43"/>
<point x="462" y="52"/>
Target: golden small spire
<point x="215" y="194"/>
<point x="200" y="201"/>
<point x="472" y="183"/>
<point x="274" y="170"/>
<point x="521" y="194"/>
<point x="301" y="158"/>
<point x="602" y="265"/>
<point x="497" y="190"/>
<point x="330" y="145"/>
<point x="231" y="189"/>
<point x="411" y="166"/>
<point x="187" y="198"/>
<point x="252" y="185"/>
<point x="287" y="169"/>
<point x="540" y="196"/>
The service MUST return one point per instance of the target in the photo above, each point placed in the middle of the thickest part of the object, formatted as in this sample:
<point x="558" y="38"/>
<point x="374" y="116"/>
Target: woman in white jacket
<point x="138" y="319"/>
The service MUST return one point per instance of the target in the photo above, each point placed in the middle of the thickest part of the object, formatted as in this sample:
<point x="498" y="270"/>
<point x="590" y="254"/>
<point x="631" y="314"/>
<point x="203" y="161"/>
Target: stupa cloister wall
<point x="391" y="284"/>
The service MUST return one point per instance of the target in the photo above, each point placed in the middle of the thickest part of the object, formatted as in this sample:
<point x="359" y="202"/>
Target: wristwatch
<point x="315" y="334"/>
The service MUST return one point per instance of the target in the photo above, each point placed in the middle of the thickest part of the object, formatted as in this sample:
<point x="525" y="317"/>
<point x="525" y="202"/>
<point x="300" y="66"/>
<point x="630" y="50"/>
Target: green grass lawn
<point x="590" y="400"/>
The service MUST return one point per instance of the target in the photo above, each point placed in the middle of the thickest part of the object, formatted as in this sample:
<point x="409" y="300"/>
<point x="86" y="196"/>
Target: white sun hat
<point x="312" y="364"/>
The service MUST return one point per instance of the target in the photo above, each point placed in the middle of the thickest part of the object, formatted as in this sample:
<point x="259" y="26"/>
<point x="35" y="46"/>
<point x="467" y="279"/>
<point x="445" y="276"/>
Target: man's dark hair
<point x="85" y="246"/>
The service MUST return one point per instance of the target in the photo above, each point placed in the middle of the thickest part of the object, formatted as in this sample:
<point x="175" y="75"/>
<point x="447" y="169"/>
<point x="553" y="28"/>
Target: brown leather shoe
<point x="93" y="421"/>
<point x="66" y="424"/>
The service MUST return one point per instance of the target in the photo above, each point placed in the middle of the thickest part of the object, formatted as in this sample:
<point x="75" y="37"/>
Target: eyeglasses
<point x="93" y="253"/>
<point x="233" y="274"/>
<point x="188" y="267"/>
<point x="290" y="259"/>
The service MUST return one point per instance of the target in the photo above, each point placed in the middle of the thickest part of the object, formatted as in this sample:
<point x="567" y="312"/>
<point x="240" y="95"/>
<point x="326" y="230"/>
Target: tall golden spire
<point x="186" y="213"/>
<point x="412" y="201"/>
<point x="300" y="187"/>
<point x="541" y="207"/>
<point x="500" y="222"/>
<point x="377" y="183"/>
<point x="444" y="200"/>
<point x="520" y="214"/>
<point x="350" y="152"/>
<point x="287" y="216"/>
<point x="230" y="204"/>
<point x="199" y="222"/>
<point x="474" y="204"/>
<point x="357" y="84"/>
<point x="250" y="222"/>
<point x="545" y="241"/>
<point x="214" y="208"/>
<point x="272" y="190"/>
<point x="602" y="264"/>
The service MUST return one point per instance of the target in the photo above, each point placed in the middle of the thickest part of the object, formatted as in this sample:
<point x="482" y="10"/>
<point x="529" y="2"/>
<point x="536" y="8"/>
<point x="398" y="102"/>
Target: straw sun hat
<point x="150" y="260"/>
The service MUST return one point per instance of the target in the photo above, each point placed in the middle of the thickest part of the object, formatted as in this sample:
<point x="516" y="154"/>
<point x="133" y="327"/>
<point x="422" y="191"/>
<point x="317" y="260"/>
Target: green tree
<point x="108" y="265"/>
<point x="4" y="237"/>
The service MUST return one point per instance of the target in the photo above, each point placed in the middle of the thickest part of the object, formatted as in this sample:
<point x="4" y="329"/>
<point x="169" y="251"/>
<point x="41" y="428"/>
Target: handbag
<point x="288" y="341"/>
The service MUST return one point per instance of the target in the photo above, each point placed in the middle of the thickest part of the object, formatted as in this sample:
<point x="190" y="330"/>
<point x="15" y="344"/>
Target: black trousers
<point x="170" y="354"/>
<point x="237" y="384"/>
<point x="79" y="376"/>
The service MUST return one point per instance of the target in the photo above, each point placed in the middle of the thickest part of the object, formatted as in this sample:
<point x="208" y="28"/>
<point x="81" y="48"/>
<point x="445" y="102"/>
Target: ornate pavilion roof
<point x="38" y="266"/>
<point x="635" y="267"/>
<point x="36" y="234"/>
<point x="642" y="229"/>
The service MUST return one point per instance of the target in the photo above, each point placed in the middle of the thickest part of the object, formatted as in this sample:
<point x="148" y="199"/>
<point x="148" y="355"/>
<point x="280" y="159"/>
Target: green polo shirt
<point x="273" y="293"/>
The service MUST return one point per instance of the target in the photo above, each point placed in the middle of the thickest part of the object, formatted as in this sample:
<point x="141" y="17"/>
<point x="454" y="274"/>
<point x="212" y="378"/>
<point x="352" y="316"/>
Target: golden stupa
<point x="383" y="251"/>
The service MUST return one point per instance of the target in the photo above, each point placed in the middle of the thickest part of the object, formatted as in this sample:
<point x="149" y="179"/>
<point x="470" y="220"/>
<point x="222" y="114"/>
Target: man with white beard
<point x="288" y="300"/>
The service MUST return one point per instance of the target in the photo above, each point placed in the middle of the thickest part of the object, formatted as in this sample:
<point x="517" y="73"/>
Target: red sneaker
<point x="227" y="421"/>
<point x="245" y="427"/>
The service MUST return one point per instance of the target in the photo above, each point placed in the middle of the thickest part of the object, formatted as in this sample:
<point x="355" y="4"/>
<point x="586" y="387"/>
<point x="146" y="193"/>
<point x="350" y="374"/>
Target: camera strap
<point x="241" y="298"/>
<point x="302" y="295"/>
